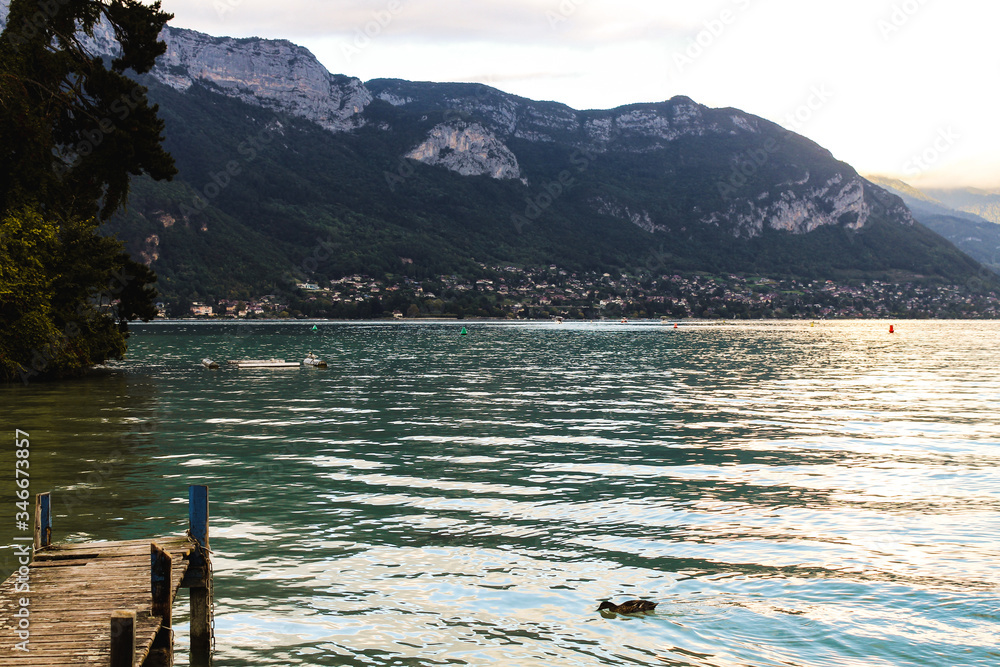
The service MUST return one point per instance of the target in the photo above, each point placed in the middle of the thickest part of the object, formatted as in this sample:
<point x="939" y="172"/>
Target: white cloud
<point x="497" y="20"/>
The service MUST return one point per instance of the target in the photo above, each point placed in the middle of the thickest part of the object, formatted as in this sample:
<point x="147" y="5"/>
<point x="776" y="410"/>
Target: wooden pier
<point x="107" y="603"/>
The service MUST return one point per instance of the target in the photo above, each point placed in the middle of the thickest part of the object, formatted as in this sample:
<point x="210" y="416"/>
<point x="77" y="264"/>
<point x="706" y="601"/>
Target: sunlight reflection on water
<point x="790" y="494"/>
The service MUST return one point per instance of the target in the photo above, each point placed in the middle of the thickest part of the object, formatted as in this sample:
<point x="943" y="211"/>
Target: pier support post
<point x="160" y="562"/>
<point x="201" y="583"/>
<point x="201" y="627"/>
<point x="163" y="644"/>
<point x="43" y="520"/>
<point x="122" y="638"/>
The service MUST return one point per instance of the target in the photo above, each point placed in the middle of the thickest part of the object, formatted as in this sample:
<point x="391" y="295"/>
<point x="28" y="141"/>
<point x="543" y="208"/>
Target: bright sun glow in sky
<point x="899" y="87"/>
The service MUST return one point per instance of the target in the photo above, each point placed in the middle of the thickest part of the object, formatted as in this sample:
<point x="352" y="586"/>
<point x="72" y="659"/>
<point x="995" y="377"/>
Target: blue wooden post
<point x="43" y="520"/>
<point x="200" y="582"/>
<point x="198" y="513"/>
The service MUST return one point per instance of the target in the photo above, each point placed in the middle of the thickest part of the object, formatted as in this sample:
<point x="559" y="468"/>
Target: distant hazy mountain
<point x="289" y="171"/>
<point x="977" y="236"/>
<point x="983" y="203"/>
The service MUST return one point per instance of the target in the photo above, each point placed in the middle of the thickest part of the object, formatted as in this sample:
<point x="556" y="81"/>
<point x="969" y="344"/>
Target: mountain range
<point x="289" y="173"/>
<point x="969" y="218"/>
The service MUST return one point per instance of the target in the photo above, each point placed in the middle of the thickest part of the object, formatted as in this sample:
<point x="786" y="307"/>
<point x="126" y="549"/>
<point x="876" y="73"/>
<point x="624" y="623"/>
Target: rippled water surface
<point x="790" y="494"/>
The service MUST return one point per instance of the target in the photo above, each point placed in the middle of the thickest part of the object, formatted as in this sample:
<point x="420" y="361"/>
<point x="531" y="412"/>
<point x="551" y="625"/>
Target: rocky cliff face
<point x="273" y="74"/>
<point x="641" y="219"/>
<point x="650" y="127"/>
<point x="637" y="128"/>
<point x="467" y="149"/>
<point x="846" y="202"/>
<point x="835" y="196"/>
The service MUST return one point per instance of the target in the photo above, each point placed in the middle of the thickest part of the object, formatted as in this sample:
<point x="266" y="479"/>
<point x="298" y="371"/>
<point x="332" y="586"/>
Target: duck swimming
<point x="628" y="607"/>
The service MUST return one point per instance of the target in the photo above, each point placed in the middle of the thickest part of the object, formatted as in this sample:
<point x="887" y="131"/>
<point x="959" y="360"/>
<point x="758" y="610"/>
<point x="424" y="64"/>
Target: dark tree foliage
<point x="74" y="128"/>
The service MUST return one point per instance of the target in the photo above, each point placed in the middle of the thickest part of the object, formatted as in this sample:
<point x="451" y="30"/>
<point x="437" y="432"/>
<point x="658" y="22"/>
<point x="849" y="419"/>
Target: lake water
<point x="789" y="494"/>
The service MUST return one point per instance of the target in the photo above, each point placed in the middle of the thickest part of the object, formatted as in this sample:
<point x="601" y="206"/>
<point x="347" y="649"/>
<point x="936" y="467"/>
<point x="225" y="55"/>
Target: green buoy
<point x="315" y="328"/>
<point x="464" y="332"/>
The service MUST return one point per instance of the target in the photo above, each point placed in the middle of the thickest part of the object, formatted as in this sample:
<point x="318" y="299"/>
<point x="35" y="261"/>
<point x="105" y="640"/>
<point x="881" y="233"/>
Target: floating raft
<point x="262" y="363"/>
<point x="107" y="603"/>
<point x="312" y="361"/>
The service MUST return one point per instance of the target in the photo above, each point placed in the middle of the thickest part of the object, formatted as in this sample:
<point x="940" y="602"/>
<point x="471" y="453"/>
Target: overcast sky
<point x="900" y="87"/>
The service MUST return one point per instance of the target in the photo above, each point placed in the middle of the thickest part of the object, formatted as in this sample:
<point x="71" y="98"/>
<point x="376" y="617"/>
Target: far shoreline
<point x="501" y="320"/>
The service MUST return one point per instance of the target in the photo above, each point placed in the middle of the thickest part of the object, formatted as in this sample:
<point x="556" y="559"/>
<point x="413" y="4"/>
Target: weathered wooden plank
<point x="69" y="546"/>
<point x="138" y="545"/>
<point x="84" y="597"/>
<point x="50" y="555"/>
<point x="81" y="557"/>
<point x="127" y="560"/>
<point x="74" y="590"/>
<point x="111" y="588"/>
<point x="55" y="612"/>
<point x="105" y="579"/>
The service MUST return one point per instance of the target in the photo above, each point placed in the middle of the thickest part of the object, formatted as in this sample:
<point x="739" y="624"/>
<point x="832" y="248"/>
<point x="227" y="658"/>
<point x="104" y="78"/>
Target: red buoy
<point x="892" y="329"/>
<point x="675" y="325"/>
